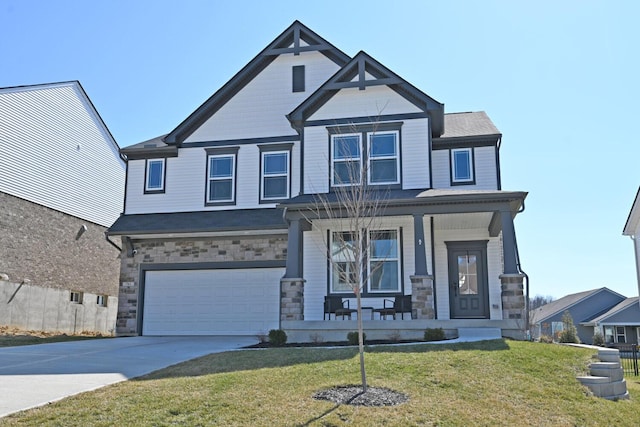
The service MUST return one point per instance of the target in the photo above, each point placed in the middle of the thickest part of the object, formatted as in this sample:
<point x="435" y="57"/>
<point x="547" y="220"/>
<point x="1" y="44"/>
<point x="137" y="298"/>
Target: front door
<point x="468" y="282"/>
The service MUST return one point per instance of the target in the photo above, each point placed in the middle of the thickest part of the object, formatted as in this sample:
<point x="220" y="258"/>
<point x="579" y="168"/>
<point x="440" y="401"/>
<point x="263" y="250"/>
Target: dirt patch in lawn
<point x="11" y="336"/>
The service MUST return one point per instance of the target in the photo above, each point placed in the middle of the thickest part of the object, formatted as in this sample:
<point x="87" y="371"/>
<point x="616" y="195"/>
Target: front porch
<point x="456" y="259"/>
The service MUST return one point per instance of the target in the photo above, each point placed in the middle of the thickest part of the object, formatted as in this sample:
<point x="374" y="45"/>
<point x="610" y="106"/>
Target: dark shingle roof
<point x="198" y="222"/>
<point x="562" y="304"/>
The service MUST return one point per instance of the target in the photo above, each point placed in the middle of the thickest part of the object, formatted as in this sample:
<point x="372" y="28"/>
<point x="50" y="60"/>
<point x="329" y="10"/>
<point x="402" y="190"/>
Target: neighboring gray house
<point x="620" y="324"/>
<point x="215" y="232"/>
<point x="61" y="185"/>
<point x="583" y="307"/>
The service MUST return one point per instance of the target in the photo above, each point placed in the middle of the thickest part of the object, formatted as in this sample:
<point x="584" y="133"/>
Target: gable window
<point x="346" y="159"/>
<point x="462" y="166"/>
<point x="384" y="161"/>
<point x="384" y="261"/>
<point x="298" y="78"/>
<point x="154" y="176"/>
<point x="275" y="172"/>
<point x="221" y="176"/>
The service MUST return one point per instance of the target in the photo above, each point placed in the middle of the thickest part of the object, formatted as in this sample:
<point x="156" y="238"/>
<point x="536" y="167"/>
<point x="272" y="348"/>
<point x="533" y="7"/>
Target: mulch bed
<point x="353" y="395"/>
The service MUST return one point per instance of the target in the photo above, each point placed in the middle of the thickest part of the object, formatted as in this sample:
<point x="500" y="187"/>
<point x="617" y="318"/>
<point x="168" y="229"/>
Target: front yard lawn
<point x="489" y="383"/>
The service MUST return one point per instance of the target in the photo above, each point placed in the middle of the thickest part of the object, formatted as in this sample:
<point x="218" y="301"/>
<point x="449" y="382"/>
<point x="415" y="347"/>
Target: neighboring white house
<point x="61" y="184"/>
<point x="216" y="229"/>
<point x="632" y="229"/>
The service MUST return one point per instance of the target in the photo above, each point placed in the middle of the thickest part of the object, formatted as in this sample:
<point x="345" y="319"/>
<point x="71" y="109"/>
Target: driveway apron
<point x="35" y="375"/>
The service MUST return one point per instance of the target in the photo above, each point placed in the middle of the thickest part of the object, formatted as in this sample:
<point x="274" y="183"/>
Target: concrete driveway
<point x="35" y="375"/>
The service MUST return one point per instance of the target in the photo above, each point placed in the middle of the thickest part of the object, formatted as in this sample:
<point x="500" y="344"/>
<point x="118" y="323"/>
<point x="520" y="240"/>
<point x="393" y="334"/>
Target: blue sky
<point x="558" y="78"/>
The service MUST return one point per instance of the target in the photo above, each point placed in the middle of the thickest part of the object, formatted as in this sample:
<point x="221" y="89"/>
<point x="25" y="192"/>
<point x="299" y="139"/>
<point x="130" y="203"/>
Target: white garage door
<point x="211" y="302"/>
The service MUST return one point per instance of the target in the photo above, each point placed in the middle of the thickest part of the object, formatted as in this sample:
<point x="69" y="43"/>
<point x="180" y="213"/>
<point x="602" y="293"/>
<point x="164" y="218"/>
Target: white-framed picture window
<point x="383" y="158"/>
<point x="154" y="176"/>
<point x="384" y="261"/>
<point x="344" y="271"/>
<point x="462" y="166"/>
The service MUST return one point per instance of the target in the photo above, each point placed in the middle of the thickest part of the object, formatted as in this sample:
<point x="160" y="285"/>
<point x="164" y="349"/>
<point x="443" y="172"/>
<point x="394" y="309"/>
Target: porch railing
<point x="628" y="358"/>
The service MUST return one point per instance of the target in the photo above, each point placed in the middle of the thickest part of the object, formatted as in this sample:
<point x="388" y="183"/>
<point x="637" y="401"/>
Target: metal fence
<point x="629" y="358"/>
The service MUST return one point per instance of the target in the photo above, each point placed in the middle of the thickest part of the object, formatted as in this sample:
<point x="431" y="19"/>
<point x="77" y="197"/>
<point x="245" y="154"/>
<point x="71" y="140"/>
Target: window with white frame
<point x="275" y="175"/>
<point x="609" y="336"/>
<point x="76" y="297"/>
<point x="621" y="334"/>
<point x="221" y="178"/>
<point x="346" y="159"/>
<point x="101" y="300"/>
<point x="344" y="272"/>
<point x="462" y="166"/>
<point x="154" y="176"/>
<point x="384" y="261"/>
<point x="383" y="159"/>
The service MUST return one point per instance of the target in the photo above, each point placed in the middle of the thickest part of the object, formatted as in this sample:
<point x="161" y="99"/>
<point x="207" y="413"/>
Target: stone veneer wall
<point x="292" y="299"/>
<point x="422" y="301"/>
<point x="513" y="296"/>
<point x="39" y="244"/>
<point x="196" y="250"/>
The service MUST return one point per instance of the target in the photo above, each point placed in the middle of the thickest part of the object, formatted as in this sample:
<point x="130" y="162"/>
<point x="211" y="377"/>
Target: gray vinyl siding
<point x="55" y="151"/>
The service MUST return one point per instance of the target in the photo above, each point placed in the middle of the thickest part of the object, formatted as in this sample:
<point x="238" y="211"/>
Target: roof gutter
<point x="111" y="242"/>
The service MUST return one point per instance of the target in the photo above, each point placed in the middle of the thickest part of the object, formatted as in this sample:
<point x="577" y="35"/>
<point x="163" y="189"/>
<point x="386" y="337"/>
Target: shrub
<point x="569" y="332"/>
<point x="434" y="334"/>
<point x="598" y="339"/>
<point x="277" y="337"/>
<point x="352" y="338"/>
<point x="546" y="339"/>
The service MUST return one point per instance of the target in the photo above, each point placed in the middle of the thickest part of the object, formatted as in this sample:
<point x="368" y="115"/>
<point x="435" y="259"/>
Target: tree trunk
<point x="361" y="342"/>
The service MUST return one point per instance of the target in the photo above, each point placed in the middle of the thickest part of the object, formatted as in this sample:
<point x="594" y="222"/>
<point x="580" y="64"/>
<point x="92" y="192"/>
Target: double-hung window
<point x="154" y="176"/>
<point x="346" y="159"/>
<point x="275" y="172"/>
<point x="383" y="161"/>
<point x="381" y="263"/>
<point x="344" y="272"/>
<point x="384" y="261"/>
<point x="221" y="176"/>
<point x="462" y="166"/>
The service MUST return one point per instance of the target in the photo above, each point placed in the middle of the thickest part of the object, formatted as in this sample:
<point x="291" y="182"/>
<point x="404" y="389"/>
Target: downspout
<point x="106" y="236"/>
<point x="433" y="269"/>
<point x="526" y="278"/>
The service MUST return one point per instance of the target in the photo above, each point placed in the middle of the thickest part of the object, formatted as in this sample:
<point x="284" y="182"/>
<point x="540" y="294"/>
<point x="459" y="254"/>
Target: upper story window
<point x="384" y="161"/>
<point x="346" y="159"/>
<point x="462" y="166"/>
<point x="297" y="72"/>
<point x="275" y="172"/>
<point x="221" y="176"/>
<point x="366" y="153"/>
<point x="154" y="176"/>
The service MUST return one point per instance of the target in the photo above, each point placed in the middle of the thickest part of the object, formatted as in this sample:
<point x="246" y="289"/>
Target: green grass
<point x="490" y="383"/>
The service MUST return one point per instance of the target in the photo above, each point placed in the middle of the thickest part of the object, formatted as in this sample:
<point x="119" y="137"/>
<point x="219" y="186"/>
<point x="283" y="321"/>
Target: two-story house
<point x="217" y="229"/>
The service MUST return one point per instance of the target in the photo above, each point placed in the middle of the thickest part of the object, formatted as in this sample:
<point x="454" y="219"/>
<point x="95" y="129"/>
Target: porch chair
<point x="402" y="305"/>
<point x="386" y="311"/>
<point x="335" y="305"/>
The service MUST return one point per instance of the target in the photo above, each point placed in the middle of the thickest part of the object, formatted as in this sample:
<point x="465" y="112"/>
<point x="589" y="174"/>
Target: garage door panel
<point x="211" y="302"/>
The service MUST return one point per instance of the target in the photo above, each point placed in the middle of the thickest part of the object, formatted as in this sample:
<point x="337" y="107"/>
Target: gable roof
<point x="57" y="152"/>
<point x="361" y="65"/>
<point x="295" y="39"/>
<point x="617" y="309"/>
<point x="560" y="305"/>
<point x="633" y="219"/>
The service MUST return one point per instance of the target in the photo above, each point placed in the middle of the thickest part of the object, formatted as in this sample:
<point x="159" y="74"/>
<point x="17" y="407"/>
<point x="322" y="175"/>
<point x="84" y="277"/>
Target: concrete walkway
<point x="35" y="375"/>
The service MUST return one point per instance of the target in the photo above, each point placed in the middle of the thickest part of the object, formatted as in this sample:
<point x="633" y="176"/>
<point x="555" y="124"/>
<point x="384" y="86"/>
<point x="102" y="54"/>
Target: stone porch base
<point x="336" y="330"/>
